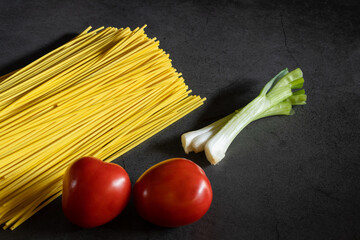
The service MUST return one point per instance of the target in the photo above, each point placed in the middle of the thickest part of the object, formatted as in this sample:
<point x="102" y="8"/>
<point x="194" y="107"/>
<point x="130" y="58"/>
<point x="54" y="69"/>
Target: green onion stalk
<point x="276" y="98"/>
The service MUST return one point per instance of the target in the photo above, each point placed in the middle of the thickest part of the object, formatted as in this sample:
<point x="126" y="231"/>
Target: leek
<point x="276" y="98"/>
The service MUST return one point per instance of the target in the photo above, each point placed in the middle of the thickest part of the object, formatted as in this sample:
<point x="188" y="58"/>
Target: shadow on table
<point x="28" y="58"/>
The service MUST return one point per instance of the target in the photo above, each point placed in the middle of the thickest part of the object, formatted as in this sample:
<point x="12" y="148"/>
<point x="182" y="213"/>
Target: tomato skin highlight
<point x="94" y="192"/>
<point x="173" y="193"/>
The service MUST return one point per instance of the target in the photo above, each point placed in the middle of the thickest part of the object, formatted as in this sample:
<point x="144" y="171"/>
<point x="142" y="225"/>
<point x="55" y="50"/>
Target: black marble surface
<point x="292" y="177"/>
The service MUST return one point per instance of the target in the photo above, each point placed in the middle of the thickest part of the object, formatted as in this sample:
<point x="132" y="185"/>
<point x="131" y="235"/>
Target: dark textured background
<point x="292" y="177"/>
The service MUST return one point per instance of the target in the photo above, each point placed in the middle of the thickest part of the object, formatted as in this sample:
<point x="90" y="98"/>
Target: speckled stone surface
<point x="294" y="177"/>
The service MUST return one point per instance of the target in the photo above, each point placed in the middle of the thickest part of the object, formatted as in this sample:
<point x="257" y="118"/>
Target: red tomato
<point x="94" y="192"/>
<point x="173" y="193"/>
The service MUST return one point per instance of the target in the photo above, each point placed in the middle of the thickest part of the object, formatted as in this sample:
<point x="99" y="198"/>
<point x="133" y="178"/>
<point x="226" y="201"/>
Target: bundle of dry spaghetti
<point x="100" y="95"/>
